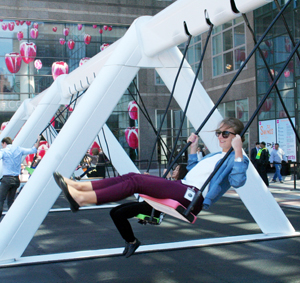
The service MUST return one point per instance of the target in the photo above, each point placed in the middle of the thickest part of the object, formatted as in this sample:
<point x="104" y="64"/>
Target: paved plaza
<point x="92" y="229"/>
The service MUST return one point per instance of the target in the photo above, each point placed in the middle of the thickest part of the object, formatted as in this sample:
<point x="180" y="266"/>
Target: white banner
<point x="267" y="133"/>
<point x="286" y="137"/>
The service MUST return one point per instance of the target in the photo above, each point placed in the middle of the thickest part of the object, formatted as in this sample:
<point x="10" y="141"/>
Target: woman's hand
<point x="194" y="143"/>
<point x="237" y="145"/>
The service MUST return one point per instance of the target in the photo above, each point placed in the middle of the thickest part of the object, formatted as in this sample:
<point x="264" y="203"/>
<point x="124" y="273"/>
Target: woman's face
<point x="225" y="143"/>
<point x="175" y="172"/>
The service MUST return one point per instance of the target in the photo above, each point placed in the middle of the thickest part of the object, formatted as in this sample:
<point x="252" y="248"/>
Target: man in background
<point x="253" y="154"/>
<point x="277" y="155"/>
<point x="12" y="157"/>
<point x="262" y="160"/>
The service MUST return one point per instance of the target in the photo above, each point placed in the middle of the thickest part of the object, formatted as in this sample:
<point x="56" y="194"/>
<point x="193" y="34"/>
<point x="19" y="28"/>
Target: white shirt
<point x="197" y="176"/>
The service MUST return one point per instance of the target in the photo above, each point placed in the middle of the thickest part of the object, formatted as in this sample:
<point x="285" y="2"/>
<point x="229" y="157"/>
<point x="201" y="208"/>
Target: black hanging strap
<point x="172" y="93"/>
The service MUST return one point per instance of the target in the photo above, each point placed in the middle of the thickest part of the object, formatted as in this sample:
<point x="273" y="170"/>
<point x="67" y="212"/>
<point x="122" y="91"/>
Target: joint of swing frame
<point x="207" y="19"/>
<point x="186" y="29"/>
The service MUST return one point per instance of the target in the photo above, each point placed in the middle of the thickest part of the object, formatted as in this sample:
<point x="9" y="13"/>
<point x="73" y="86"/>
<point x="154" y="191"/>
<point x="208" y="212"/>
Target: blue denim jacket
<point x="231" y="173"/>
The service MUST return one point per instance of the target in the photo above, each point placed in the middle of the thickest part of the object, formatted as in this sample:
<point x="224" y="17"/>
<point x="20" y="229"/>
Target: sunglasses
<point x="225" y="134"/>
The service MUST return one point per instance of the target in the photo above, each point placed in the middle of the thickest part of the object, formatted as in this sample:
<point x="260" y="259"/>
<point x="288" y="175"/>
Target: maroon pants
<point x="121" y="187"/>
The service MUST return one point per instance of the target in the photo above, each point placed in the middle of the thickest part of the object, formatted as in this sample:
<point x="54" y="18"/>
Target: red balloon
<point x="13" y="62"/>
<point x="28" y="51"/>
<point x="59" y="68"/>
<point x="66" y="31"/>
<point x="11" y="26"/>
<point x="34" y="33"/>
<point x="87" y="39"/>
<point x="20" y="35"/>
<point x="71" y="44"/>
<point x="132" y="137"/>
<point x="4" y="26"/>
<point x="133" y="110"/>
<point x="62" y="41"/>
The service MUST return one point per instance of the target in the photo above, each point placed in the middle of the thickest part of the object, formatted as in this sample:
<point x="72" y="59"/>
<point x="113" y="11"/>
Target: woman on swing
<point x="231" y="173"/>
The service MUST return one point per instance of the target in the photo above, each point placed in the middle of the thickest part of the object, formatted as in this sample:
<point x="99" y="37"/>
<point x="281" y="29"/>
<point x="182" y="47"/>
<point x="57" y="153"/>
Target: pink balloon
<point x="4" y="26"/>
<point x="34" y="33"/>
<point x="20" y="35"/>
<point x="71" y="44"/>
<point x="13" y="62"/>
<point x="79" y="26"/>
<point x="54" y="29"/>
<point x="66" y="31"/>
<point x="62" y="41"/>
<point x="267" y="105"/>
<point x="87" y="39"/>
<point x="38" y="64"/>
<point x="94" y="26"/>
<point x="17" y="22"/>
<point x="22" y="22"/>
<point x="59" y="68"/>
<point x="83" y="60"/>
<point x="28" y="51"/>
<point x="28" y="23"/>
<point x="11" y="26"/>
<point x="132" y="137"/>
<point x="36" y="25"/>
<point x="104" y="46"/>
<point x="3" y="125"/>
<point x="287" y="73"/>
<point x="101" y="31"/>
<point x="110" y="28"/>
<point x="105" y="27"/>
<point x="133" y="110"/>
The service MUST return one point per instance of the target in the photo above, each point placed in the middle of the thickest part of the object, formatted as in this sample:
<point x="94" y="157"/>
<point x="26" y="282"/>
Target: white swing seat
<point x="171" y="207"/>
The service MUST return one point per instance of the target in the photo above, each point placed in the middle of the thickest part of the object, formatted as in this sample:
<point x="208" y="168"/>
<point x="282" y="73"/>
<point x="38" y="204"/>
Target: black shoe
<point x="126" y="248"/>
<point x="64" y="187"/>
<point x="78" y="178"/>
<point x="132" y="248"/>
<point x="281" y="181"/>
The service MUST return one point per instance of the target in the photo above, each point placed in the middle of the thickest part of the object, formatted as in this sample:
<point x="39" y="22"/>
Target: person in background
<point x="262" y="160"/>
<point x="91" y="170"/>
<point x="11" y="164"/>
<point x="253" y="154"/>
<point x="277" y="155"/>
<point x="200" y="153"/>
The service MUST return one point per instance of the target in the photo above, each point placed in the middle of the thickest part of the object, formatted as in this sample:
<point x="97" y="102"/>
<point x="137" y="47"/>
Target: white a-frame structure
<point x="149" y="43"/>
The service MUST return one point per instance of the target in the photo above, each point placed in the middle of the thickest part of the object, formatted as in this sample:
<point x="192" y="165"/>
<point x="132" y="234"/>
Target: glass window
<point x="228" y="62"/>
<point x="158" y="80"/>
<point x="169" y="133"/>
<point x="228" y="47"/>
<point x="194" y="54"/>
<point x="227" y="40"/>
<point x="239" y="35"/>
<point x="217" y="44"/>
<point x="217" y="65"/>
<point x="238" y="109"/>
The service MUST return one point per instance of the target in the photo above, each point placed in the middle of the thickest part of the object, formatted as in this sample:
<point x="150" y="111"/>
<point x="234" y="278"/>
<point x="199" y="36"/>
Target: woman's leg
<point x="153" y="186"/>
<point x="121" y="187"/>
<point x="80" y="186"/>
<point x="123" y="212"/>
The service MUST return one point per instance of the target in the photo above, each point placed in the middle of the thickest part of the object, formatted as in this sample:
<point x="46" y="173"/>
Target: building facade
<point x="59" y="31"/>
